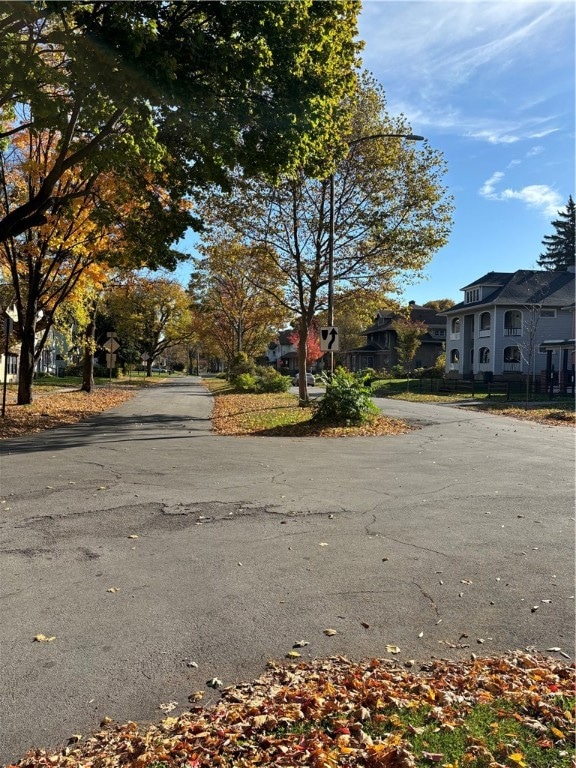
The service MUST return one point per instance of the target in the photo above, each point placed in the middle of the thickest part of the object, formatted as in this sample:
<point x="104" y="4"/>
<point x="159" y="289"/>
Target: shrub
<point x="101" y="372"/>
<point x="398" y="372"/>
<point x="245" y="382"/>
<point x="346" y="401"/>
<point x="270" y="380"/>
<point x="240" y="364"/>
<point x="73" y="369"/>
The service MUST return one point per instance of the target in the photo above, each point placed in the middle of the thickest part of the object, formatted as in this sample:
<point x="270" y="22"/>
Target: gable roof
<point x="385" y="318"/>
<point x="523" y="287"/>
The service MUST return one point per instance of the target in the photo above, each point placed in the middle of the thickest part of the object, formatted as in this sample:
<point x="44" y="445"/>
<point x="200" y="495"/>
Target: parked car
<point x="310" y="380"/>
<point x="158" y="369"/>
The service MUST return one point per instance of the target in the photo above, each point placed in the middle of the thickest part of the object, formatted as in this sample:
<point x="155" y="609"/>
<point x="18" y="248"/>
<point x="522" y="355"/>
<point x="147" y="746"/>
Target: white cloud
<point x="494" y="136"/>
<point x="535" y="151"/>
<point x="539" y="196"/>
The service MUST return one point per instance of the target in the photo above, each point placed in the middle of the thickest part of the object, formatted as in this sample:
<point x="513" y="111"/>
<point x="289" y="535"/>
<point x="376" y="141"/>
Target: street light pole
<point x="351" y="143"/>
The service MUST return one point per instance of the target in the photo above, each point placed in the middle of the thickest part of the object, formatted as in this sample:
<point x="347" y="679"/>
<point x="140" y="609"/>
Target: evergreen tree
<point x="560" y="247"/>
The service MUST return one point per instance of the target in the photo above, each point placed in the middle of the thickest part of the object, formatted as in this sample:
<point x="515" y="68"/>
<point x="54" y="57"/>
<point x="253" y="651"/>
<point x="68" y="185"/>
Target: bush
<point x="101" y="372"/>
<point x="270" y="380"/>
<point x="73" y="369"/>
<point x="398" y="372"/>
<point x="241" y="363"/>
<point x="428" y="373"/>
<point x="245" y="382"/>
<point x="347" y="400"/>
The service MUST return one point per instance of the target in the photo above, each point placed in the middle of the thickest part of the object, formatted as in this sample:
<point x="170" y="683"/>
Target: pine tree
<point x="560" y="248"/>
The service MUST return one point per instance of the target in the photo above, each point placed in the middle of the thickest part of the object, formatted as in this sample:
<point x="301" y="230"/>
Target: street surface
<point x="456" y="538"/>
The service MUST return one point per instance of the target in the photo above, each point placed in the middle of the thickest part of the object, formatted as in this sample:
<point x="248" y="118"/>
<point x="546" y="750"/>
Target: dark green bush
<point x="346" y="401"/>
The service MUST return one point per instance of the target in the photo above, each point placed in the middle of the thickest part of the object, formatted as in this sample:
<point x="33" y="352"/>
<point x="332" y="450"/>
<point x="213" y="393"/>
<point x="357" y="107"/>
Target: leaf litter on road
<point x="333" y="712"/>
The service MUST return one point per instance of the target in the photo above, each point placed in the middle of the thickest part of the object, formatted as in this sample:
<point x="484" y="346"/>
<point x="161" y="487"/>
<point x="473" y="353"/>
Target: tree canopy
<point x="187" y="91"/>
<point x="560" y="250"/>
<point x="391" y="213"/>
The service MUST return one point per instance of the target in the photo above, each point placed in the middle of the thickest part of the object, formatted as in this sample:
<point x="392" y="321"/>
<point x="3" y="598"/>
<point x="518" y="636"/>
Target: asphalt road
<point x="459" y="532"/>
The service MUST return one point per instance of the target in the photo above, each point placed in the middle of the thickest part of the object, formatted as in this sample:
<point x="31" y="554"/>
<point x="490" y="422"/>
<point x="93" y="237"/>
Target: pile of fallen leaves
<point x="278" y="415"/>
<point x="334" y="712"/>
<point x="552" y="415"/>
<point x="57" y="408"/>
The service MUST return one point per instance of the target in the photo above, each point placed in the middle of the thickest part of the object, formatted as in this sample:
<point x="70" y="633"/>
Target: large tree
<point x="232" y="310"/>
<point x="106" y="222"/>
<point x="185" y="90"/>
<point x="390" y="214"/>
<point x="560" y="250"/>
<point x="150" y="315"/>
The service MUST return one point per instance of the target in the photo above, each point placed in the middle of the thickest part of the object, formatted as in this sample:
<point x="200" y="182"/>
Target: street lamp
<point x="351" y="143"/>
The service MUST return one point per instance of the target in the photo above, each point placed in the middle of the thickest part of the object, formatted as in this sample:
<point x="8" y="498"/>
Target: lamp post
<point x="352" y="143"/>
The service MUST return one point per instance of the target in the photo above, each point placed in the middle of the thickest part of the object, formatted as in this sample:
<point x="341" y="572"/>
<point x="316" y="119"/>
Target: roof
<point x="417" y="313"/>
<point x="523" y="287"/>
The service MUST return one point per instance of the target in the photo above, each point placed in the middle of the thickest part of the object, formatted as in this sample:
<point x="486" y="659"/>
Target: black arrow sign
<point x="333" y="334"/>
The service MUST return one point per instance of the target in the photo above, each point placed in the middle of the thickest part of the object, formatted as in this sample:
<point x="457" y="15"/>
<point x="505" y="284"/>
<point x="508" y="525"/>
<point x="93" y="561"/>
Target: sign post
<point x="8" y="327"/>
<point x="111" y="345"/>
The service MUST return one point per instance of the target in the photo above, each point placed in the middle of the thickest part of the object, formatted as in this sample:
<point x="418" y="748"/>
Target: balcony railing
<point x="512" y="331"/>
<point x="512" y="367"/>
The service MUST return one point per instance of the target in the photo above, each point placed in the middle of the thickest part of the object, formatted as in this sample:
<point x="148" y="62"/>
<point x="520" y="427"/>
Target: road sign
<point x="144" y="356"/>
<point x="111" y="345"/>
<point x="110" y="360"/>
<point x="329" y="339"/>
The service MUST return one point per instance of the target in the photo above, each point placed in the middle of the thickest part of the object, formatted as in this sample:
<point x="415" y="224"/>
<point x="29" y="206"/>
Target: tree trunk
<point x="88" y="359"/>
<point x="303" y="398"/>
<point x="26" y="365"/>
<point x="149" y="366"/>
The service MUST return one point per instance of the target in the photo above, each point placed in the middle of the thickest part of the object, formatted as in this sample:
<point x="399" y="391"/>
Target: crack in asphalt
<point x="429" y="597"/>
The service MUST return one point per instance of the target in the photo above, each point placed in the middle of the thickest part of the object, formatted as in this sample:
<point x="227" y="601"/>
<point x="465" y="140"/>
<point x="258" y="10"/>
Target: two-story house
<point x="282" y="353"/>
<point x="380" y="352"/>
<point x="499" y="328"/>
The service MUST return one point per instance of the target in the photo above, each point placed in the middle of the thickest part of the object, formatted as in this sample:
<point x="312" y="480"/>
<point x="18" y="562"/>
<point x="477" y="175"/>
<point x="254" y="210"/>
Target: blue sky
<point x="491" y="85"/>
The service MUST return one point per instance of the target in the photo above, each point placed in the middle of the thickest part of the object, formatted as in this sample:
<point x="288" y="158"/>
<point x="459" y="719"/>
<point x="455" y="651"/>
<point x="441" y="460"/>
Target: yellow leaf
<point x="518" y="758"/>
<point x="293" y="655"/>
<point x="392" y="649"/>
<point x="330" y="632"/>
<point x="558" y="733"/>
<point x="43" y="639"/>
<point x="133" y="536"/>
<point x="113" y="589"/>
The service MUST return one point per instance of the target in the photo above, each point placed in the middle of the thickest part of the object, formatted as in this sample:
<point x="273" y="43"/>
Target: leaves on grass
<point x="278" y="415"/>
<point x="55" y="409"/>
<point x="331" y="713"/>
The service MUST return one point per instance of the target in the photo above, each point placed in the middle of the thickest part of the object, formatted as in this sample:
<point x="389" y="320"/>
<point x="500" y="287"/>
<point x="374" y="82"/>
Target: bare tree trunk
<point x="26" y="364"/>
<point x="303" y="398"/>
<point x="88" y="359"/>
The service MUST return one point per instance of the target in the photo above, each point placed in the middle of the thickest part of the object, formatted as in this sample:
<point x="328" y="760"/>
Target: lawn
<point x="494" y="712"/>
<point x="559" y="411"/>
<point x="278" y="415"/>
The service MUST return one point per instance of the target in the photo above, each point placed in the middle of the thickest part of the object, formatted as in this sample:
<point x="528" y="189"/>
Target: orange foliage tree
<point x="78" y="245"/>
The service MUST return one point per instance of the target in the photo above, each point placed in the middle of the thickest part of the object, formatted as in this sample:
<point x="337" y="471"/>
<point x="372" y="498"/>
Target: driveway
<point x="455" y="538"/>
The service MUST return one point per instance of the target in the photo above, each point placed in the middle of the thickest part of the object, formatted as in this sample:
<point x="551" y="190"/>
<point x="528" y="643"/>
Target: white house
<point x="505" y="318"/>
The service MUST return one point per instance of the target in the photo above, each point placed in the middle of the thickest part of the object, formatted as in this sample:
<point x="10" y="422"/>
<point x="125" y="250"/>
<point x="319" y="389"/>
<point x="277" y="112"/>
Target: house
<point x="379" y="352"/>
<point x="500" y="328"/>
<point x="282" y="353"/>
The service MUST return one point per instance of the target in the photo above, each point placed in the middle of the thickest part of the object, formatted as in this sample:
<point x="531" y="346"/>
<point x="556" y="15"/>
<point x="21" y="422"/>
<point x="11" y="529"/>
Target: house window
<point x="456" y="325"/>
<point x="454" y="359"/>
<point x="513" y="323"/>
<point x="547" y="313"/>
<point x="12" y="364"/>
<point x="485" y="321"/>
<point x="439" y="332"/>
<point x="511" y="359"/>
<point x="484" y="355"/>
<point x="473" y="295"/>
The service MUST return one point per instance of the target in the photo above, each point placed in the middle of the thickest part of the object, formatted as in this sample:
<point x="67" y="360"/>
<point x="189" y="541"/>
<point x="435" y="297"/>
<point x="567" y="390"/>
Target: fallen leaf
<point x="113" y="589"/>
<point x="434" y="756"/>
<point x="133" y="536"/>
<point x="192" y="664"/>
<point x="323" y="544"/>
<point x="300" y="644"/>
<point x="75" y="738"/>
<point x="465" y="581"/>
<point x="558" y="733"/>
<point x="214" y="683"/>
<point x="196" y="696"/>
<point x="392" y="649"/>
<point x="293" y="655"/>
<point x="330" y="632"/>
<point x="169" y="706"/>
<point x="43" y="639"/>
<point x="365" y="625"/>
<point x="421" y="634"/>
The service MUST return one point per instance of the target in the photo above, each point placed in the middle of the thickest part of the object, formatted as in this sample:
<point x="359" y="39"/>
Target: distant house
<point x="282" y="353"/>
<point x="380" y="353"/>
<point x="513" y="324"/>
